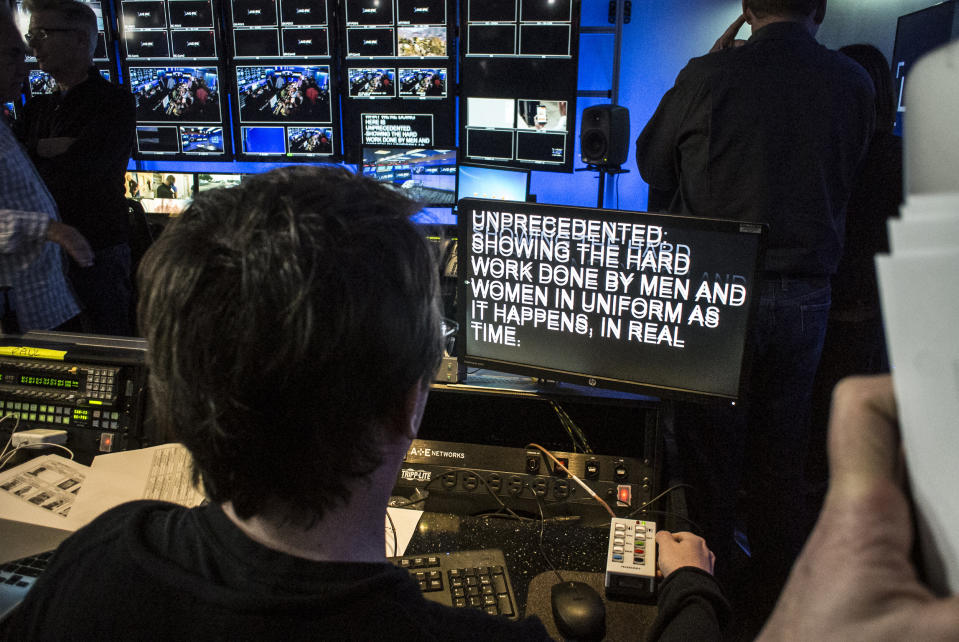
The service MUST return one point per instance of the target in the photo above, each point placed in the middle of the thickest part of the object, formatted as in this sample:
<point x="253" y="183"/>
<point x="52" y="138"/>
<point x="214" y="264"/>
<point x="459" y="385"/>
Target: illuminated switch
<point x="106" y="442"/>
<point x="624" y="494"/>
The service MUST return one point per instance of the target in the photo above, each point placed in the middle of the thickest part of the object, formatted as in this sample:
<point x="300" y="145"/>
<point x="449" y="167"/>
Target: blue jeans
<point x="756" y="450"/>
<point x="104" y="291"/>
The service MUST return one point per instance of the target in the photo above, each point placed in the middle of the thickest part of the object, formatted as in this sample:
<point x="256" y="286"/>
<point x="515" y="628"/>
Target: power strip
<point x="631" y="559"/>
<point x="38" y="436"/>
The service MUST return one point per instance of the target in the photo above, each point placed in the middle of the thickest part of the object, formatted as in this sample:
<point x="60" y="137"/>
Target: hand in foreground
<point x="854" y="579"/>
<point x="72" y="241"/>
<point x="677" y="550"/>
<point x="728" y="39"/>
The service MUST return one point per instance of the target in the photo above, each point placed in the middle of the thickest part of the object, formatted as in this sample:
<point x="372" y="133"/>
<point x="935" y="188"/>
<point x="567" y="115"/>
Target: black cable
<point x="542" y="528"/>
<point x="396" y="553"/>
<point x="658" y="497"/>
<point x="695" y="528"/>
<point x="473" y="471"/>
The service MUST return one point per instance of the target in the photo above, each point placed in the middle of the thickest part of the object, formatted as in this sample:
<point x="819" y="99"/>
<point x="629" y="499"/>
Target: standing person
<point x="855" y="340"/>
<point x="35" y="289"/>
<point x="771" y="131"/>
<point x="80" y="138"/>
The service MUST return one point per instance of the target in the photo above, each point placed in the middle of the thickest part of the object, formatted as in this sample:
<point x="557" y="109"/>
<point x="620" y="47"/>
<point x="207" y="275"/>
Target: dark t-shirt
<point x="148" y="570"/>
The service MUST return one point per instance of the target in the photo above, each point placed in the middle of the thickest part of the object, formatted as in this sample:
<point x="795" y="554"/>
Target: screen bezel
<point x="589" y="379"/>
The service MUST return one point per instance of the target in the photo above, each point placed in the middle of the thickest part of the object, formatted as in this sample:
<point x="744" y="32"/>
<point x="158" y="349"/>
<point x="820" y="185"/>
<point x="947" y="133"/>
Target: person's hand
<point x="728" y="39"/>
<point x="854" y="578"/>
<point x="72" y="241"/>
<point x="677" y="550"/>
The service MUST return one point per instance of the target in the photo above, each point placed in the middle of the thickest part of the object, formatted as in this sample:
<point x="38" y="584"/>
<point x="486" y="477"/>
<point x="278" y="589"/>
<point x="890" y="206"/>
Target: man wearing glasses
<point x="80" y="138"/>
<point x="34" y="288"/>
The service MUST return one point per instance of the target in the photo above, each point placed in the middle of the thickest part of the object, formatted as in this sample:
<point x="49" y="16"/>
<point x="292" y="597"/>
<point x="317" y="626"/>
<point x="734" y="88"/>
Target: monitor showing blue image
<point x="496" y="183"/>
<point x="264" y="140"/>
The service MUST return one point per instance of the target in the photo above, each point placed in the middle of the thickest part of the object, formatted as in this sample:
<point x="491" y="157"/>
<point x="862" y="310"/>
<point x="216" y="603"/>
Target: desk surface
<point x="577" y="550"/>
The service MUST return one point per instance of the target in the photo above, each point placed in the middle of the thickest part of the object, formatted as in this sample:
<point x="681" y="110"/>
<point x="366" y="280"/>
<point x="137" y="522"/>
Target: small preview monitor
<point x="283" y="93"/>
<point x="648" y="303"/>
<point x="176" y="94"/>
<point x="372" y="82"/>
<point x="422" y="82"/>
<point x="425" y="175"/>
<point x="493" y="183"/>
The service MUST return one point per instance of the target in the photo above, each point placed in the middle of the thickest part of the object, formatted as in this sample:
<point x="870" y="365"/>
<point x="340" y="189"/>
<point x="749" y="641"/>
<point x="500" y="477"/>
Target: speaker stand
<point x="604" y="171"/>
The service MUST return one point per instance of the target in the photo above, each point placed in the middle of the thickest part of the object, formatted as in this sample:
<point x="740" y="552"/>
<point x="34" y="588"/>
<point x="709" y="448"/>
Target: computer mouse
<point x="578" y="611"/>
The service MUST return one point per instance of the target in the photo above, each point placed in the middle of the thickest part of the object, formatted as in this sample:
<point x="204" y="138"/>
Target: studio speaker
<point x="604" y="135"/>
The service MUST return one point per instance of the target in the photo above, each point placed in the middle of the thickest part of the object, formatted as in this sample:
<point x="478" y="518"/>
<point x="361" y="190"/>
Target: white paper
<point x="933" y="205"/>
<point x="158" y="472"/>
<point x="405" y="521"/>
<point x="931" y="233"/>
<point x="43" y="491"/>
<point x="921" y="307"/>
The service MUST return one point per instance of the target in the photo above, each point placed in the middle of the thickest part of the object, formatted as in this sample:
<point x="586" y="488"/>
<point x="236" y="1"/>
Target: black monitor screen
<point x="491" y="10"/>
<point x="310" y="42"/>
<point x="193" y="43"/>
<point x="254" y="13"/>
<point x="140" y="14"/>
<point x="303" y="12"/>
<point x="545" y="10"/>
<point x="190" y="13"/>
<point x="494" y="183"/>
<point x="147" y="44"/>
<point x="645" y="302"/>
<point x="421" y="12"/>
<point x="427" y="176"/>
<point x="369" y="12"/>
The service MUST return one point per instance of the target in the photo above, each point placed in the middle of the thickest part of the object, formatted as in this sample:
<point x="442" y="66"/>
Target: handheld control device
<point x="631" y="559"/>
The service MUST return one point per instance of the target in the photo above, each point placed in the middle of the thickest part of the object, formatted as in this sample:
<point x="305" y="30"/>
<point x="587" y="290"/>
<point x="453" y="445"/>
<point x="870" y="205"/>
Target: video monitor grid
<point x="285" y="110"/>
<point x="178" y="111"/>
<point x="524" y="130"/>
<point x="420" y="12"/>
<point x="280" y="28"/>
<point x="523" y="28"/>
<point x="168" y="29"/>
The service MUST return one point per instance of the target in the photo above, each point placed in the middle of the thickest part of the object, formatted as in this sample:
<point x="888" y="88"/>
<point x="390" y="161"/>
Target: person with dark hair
<point x="34" y="293"/>
<point x="855" y="340"/>
<point x="771" y="131"/>
<point x="294" y="330"/>
<point x="80" y="139"/>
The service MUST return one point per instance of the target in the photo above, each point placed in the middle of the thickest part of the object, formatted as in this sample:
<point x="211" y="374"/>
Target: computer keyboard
<point x="17" y="577"/>
<point x="464" y="579"/>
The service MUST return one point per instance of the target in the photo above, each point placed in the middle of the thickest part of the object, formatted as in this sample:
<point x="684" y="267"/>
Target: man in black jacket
<point x="770" y="132"/>
<point x="80" y="139"/>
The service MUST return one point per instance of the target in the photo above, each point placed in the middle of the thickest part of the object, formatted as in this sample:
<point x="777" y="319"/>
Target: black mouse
<point x="578" y="611"/>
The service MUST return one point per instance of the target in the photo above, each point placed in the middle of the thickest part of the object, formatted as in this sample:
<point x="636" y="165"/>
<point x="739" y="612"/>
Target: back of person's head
<point x="288" y="320"/>
<point x="876" y="65"/>
<point x="71" y="12"/>
<point x="170" y="179"/>
<point x="784" y="8"/>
